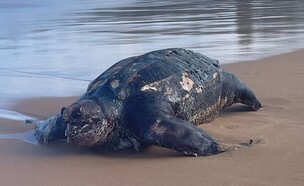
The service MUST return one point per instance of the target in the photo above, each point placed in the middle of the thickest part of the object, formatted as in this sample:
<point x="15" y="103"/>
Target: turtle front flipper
<point x="174" y="133"/>
<point x="152" y="121"/>
<point x="50" y="129"/>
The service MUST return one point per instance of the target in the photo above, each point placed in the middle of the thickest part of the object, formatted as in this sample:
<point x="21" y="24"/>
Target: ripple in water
<point x="28" y="136"/>
<point x="13" y="115"/>
<point x="48" y="46"/>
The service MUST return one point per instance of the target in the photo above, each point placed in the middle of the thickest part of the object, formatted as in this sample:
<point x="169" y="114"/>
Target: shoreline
<point x="276" y="80"/>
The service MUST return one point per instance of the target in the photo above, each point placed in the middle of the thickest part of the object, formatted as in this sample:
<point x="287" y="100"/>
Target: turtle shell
<point x="179" y="68"/>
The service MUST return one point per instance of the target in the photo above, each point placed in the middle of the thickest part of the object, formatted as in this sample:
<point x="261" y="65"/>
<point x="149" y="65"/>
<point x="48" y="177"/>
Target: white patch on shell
<point x="115" y="83"/>
<point x="187" y="96"/>
<point x="187" y="83"/>
<point x="148" y="88"/>
<point x="199" y="89"/>
<point x="171" y="95"/>
<point x="215" y="75"/>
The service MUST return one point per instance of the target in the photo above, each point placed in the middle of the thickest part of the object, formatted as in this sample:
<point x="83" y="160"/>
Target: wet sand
<point x="277" y="82"/>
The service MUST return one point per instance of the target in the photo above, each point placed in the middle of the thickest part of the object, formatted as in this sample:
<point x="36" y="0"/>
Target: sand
<point x="277" y="82"/>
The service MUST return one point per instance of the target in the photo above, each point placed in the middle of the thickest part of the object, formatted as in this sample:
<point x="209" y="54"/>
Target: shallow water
<point x="14" y="115"/>
<point x="54" y="48"/>
<point x="28" y="137"/>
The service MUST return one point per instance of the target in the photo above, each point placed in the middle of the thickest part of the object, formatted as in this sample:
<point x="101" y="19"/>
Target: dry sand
<point x="278" y="83"/>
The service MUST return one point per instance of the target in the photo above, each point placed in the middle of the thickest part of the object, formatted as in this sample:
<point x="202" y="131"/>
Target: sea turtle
<point x="156" y="98"/>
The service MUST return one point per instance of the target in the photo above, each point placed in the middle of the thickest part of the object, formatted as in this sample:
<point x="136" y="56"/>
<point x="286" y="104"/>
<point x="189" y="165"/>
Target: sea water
<point x="55" y="48"/>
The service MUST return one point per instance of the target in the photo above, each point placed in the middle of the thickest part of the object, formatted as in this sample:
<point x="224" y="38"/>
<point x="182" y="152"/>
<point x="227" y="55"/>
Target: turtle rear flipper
<point x="236" y="91"/>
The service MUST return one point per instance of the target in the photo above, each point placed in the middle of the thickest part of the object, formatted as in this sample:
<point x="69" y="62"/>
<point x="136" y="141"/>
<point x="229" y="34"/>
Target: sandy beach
<point x="278" y="83"/>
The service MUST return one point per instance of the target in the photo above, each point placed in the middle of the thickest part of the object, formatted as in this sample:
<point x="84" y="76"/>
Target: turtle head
<point x="86" y="123"/>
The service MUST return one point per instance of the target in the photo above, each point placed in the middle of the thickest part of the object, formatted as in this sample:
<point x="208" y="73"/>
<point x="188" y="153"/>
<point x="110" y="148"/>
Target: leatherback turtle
<point x="156" y="98"/>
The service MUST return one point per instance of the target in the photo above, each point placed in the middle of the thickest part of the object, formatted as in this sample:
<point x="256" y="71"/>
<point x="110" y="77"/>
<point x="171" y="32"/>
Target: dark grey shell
<point x="189" y="81"/>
